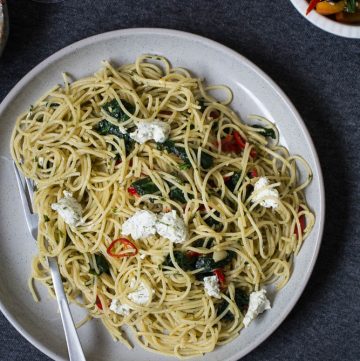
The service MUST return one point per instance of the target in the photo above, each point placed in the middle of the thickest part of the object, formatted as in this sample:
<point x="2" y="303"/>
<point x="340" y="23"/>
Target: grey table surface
<point x="320" y="74"/>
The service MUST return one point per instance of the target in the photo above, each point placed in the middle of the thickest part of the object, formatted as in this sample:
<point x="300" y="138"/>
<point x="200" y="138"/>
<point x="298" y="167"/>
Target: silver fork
<point x="72" y="339"/>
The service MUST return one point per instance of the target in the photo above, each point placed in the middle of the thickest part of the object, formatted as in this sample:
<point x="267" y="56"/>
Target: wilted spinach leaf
<point x="113" y="109"/>
<point x="184" y="261"/>
<point x="266" y="132"/>
<point x="102" y="265"/>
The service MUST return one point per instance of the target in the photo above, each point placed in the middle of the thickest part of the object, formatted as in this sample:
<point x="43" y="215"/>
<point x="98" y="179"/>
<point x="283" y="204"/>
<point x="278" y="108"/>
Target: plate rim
<point x="230" y="52"/>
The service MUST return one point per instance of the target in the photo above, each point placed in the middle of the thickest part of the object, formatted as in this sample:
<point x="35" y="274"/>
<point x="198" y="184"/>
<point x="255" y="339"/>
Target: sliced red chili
<point x="253" y="153"/>
<point x="98" y="303"/>
<point x="241" y="143"/>
<point x="192" y="254"/>
<point x="239" y="140"/>
<point x="227" y="144"/>
<point x="127" y="245"/>
<point x="235" y="143"/>
<point x="302" y="221"/>
<point x="253" y="173"/>
<point x="133" y="191"/>
<point x="312" y="5"/>
<point x="214" y="114"/>
<point x="220" y="276"/>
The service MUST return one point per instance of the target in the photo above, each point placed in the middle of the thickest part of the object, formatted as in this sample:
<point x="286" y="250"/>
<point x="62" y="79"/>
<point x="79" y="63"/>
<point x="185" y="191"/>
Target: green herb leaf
<point x="46" y="218"/>
<point x="221" y="308"/>
<point x="266" y="132"/>
<point x="176" y="194"/>
<point x="232" y="181"/>
<point x="350" y="6"/>
<point x="113" y="109"/>
<point x="242" y="301"/>
<point x="102" y="265"/>
<point x="205" y="262"/>
<point x="185" y="262"/>
<point x="206" y="160"/>
<point x="209" y="264"/>
<point x="170" y="146"/>
<point x="241" y="298"/>
<point x="145" y="186"/>
<point x="212" y="222"/>
<point x="202" y="105"/>
<point x="117" y="157"/>
<point x="224" y="262"/>
<point x="184" y="166"/>
<point x="104" y="127"/>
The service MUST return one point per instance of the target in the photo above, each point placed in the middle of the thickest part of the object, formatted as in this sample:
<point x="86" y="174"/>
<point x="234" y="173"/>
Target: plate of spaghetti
<point x="186" y="216"/>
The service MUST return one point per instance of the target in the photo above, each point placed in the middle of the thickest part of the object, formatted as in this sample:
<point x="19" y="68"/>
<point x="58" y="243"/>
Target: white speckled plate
<point x="254" y="92"/>
<point x="325" y="23"/>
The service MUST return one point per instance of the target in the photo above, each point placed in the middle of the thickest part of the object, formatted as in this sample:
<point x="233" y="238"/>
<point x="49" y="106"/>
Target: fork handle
<point x="72" y="339"/>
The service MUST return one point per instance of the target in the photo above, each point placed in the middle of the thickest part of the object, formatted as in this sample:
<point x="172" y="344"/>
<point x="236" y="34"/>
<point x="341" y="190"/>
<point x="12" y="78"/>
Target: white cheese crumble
<point x="141" y="225"/>
<point x="157" y="130"/>
<point x="142" y="295"/>
<point x="145" y="224"/>
<point x="171" y="226"/>
<point x="41" y="161"/>
<point x="211" y="285"/>
<point x="121" y="309"/>
<point x="258" y="304"/>
<point x="268" y="197"/>
<point x="69" y="209"/>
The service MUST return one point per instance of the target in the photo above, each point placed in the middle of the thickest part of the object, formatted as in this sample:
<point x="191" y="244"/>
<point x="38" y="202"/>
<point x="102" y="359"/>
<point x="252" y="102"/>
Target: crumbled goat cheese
<point x="268" y="197"/>
<point x="157" y="130"/>
<point x="41" y="161"/>
<point x="142" y="295"/>
<point x="141" y="225"/>
<point x="145" y="223"/>
<point x="211" y="285"/>
<point x="258" y="304"/>
<point x="170" y="226"/>
<point x="121" y="309"/>
<point x="69" y="209"/>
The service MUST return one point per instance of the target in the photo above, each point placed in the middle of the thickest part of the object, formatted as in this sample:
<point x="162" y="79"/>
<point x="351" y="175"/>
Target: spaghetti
<point x="77" y="138"/>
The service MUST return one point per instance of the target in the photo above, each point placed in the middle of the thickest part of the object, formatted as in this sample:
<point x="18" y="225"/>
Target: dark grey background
<point x="320" y="74"/>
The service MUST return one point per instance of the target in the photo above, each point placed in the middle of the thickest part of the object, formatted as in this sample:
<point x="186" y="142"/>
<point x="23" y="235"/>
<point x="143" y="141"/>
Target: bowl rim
<point x="186" y="35"/>
<point x="324" y="23"/>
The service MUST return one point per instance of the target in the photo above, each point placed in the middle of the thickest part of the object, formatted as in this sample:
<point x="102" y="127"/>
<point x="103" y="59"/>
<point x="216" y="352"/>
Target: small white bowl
<point x="329" y="25"/>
